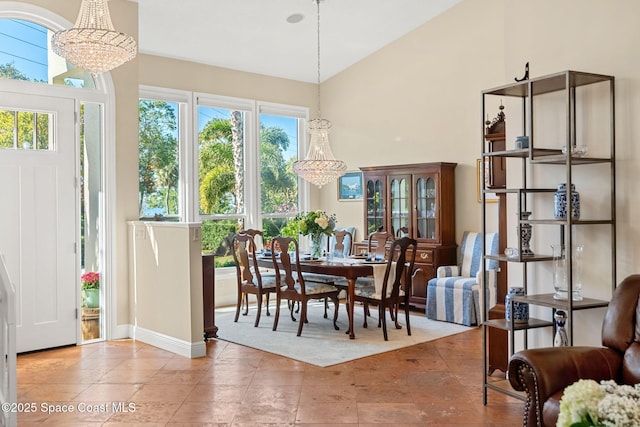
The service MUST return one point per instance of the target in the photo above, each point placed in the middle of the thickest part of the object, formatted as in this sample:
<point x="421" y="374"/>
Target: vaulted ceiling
<point x="255" y="35"/>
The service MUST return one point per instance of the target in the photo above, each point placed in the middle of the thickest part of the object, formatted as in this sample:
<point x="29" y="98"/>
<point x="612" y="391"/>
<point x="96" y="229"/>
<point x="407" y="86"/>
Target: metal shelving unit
<point x="566" y="84"/>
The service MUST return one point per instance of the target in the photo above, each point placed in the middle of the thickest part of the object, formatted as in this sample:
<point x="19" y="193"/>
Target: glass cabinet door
<point x="375" y="204"/>
<point x="426" y="208"/>
<point x="399" y="198"/>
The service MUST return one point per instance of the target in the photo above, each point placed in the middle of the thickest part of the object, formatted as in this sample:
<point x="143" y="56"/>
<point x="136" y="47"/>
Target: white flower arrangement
<point x="586" y="403"/>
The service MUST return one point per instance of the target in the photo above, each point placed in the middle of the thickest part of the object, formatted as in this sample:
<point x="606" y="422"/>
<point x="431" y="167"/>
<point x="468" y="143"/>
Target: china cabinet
<point x="563" y="115"/>
<point x="415" y="200"/>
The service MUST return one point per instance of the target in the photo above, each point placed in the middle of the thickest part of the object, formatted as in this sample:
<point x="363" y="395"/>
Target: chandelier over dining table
<point x="319" y="166"/>
<point x="93" y="44"/>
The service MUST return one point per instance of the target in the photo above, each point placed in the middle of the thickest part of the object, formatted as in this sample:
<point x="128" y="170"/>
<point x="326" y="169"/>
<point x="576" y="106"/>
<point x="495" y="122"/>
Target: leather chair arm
<point x="542" y="372"/>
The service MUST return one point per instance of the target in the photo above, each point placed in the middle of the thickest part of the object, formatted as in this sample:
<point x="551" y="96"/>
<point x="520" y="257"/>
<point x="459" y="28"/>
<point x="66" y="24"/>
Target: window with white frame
<point x="240" y="168"/>
<point x="158" y="158"/>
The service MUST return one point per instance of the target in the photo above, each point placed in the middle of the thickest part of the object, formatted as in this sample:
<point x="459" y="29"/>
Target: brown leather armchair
<point x="543" y="373"/>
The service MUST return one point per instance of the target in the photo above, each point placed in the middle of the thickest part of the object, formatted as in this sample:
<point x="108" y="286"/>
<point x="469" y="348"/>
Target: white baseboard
<point x="165" y="342"/>
<point x="121" y="332"/>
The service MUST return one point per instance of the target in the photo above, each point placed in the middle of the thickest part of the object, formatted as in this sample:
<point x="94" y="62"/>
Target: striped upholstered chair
<point x="454" y="294"/>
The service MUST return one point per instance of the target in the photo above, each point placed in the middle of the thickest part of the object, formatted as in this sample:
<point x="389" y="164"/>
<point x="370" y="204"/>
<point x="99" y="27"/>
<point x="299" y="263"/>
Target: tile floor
<point x="130" y="383"/>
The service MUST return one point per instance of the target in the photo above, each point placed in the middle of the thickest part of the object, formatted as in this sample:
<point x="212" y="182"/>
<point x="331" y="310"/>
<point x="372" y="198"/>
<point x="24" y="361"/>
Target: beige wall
<point x="418" y="100"/>
<point x="125" y="82"/>
<point x="189" y="76"/>
<point x="165" y="280"/>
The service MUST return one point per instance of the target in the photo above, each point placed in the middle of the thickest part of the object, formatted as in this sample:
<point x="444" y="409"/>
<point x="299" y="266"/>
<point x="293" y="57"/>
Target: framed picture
<point x="350" y="186"/>
<point x="490" y="197"/>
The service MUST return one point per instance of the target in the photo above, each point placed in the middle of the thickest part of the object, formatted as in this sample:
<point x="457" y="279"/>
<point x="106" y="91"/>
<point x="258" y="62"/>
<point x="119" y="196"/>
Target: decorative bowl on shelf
<point x="577" y="151"/>
<point x="511" y="252"/>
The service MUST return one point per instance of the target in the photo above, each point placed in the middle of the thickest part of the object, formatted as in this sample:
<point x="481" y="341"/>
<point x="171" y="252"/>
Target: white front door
<point x="39" y="215"/>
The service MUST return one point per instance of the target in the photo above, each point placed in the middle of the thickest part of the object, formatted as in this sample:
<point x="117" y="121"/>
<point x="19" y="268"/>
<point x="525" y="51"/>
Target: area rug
<point x="320" y="344"/>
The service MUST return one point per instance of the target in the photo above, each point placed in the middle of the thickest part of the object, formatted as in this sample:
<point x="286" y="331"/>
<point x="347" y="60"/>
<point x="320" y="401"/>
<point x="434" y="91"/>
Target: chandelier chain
<point x="319" y="166"/>
<point x="318" y="54"/>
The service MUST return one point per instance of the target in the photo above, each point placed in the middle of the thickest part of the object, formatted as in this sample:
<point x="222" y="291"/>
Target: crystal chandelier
<point x="93" y="44"/>
<point x="319" y="166"/>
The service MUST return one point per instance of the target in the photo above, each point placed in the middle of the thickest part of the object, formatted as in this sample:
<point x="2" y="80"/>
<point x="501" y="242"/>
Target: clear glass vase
<point x="559" y="272"/>
<point x="560" y="280"/>
<point x="578" y="253"/>
<point x="316" y="246"/>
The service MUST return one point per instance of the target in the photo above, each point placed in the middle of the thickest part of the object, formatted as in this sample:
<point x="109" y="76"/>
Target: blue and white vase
<point x="525" y="234"/>
<point x="520" y="309"/>
<point x="560" y="203"/>
<point x="561" y="339"/>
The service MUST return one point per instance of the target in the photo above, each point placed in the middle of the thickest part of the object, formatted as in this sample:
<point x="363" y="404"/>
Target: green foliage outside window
<point x="220" y="174"/>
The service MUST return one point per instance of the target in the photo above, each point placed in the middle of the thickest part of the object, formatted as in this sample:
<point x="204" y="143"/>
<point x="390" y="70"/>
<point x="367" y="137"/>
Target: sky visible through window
<point x="288" y="124"/>
<point x="25" y="45"/>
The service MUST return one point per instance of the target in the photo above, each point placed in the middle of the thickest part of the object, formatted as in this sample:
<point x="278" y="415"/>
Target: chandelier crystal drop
<point x="93" y="44"/>
<point x="319" y="166"/>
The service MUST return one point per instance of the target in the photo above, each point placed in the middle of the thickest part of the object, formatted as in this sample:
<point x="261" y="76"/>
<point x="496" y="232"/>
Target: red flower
<point x="90" y="280"/>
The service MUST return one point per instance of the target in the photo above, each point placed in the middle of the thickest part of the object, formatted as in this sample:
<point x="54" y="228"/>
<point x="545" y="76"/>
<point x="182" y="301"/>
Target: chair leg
<point x="366" y="309"/>
<point x="277" y="316"/>
<point x="406" y="313"/>
<point x="303" y="317"/>
<point x="336" y="302"/>
<point x="245" y="300"/>
<point x="238" y="305"/>
<point x="291" y="308"/>
<point x="259" y="298"/>
<point x="395" y="310"/>
<point x="267" y="295"/>
<point x="384" y="321"/>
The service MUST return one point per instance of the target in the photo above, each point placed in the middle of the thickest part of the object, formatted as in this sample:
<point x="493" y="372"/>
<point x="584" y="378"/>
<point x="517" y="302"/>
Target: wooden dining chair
<point x="340" y="243"/>
<point x="250" y="280"/>
<point x="292" y="286"/>
<point x="396" y="285"/>
<point x="377" y="244"/>
<point x="402" y="232"/>
<point x="258" y="237"/>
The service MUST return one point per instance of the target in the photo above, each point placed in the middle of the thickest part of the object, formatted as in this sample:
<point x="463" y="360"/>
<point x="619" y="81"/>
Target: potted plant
<point x="91" y="289"/>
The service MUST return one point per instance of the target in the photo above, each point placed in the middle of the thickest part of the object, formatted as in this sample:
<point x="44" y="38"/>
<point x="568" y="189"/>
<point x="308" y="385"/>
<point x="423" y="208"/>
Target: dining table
<point x="349" y="268"/>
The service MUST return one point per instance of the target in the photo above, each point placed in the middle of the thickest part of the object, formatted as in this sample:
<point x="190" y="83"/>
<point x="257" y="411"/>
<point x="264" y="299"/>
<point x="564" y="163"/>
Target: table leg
<point x="351" y="293"/>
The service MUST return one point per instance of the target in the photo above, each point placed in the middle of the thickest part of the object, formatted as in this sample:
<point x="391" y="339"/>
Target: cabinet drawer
<point x="424" y="256"/>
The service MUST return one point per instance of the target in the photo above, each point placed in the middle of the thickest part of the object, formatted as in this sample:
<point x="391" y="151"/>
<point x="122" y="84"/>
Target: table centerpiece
<point x="315" y="224"/>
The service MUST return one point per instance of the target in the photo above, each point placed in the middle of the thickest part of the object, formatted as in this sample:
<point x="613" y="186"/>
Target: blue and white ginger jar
<point x="560" y="203"/>
<point x="520" y="309"/>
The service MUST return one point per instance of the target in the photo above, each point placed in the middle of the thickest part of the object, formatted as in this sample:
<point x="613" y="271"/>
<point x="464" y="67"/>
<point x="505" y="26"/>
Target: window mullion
<point x="252" y="170"/>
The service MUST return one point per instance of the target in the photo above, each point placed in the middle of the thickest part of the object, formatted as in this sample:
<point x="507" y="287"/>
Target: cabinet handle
<point x="424" y="255"/>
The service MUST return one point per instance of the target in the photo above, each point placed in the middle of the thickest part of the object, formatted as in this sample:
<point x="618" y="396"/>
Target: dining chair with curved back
<point x="340" y="243"/>
<point x="395" y="287"/>
<point x="377" y="244"/>
<point x="402" y="232"/>
<point x="292" y="286"/>
<point x="250" y="280"/>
